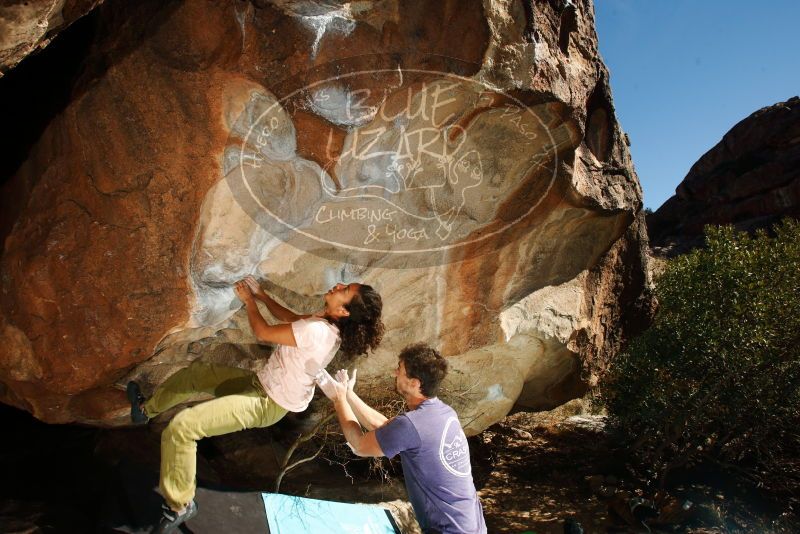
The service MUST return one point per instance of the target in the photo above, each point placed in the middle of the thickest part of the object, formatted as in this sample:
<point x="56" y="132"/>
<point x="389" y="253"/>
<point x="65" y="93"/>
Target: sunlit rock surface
<point x="460" y="158"/>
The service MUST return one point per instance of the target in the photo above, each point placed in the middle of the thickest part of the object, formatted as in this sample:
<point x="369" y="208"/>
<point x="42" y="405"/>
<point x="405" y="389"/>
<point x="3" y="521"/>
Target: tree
<point x="717" y="375"/>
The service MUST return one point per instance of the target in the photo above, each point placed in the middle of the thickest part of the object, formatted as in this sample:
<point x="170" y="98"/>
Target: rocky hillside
<point x="750" y="179"/>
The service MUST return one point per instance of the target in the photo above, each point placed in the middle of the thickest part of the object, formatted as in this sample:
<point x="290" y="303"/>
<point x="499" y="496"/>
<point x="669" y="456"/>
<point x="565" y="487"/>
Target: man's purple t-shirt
<point x="435" y="458"/>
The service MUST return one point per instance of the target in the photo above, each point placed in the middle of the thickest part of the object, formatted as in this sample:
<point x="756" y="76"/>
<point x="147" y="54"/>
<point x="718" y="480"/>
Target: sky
<point x="683" y="72"/>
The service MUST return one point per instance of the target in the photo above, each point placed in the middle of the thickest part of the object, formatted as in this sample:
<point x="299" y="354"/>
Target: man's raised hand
<point x="332" y="389"/>
<point x="341" y="376"/>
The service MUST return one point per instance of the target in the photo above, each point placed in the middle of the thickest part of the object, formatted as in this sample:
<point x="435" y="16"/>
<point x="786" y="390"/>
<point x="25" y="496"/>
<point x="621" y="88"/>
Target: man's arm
<point x="280" y="312"/>
<point x="366" y="415"/>
<point x="369" y="417"/>
<point x="362" y="444"/>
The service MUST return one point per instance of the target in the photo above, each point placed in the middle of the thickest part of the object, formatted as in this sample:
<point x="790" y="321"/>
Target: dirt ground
<point x="533" y="485"/>
<point x="536" y="471"/>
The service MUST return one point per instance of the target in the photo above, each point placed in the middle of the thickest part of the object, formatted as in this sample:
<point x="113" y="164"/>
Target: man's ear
<point x="416" y="383"/>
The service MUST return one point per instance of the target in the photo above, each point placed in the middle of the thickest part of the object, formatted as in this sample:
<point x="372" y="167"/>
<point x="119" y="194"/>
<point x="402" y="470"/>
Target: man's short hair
<point x="426" y="365"/>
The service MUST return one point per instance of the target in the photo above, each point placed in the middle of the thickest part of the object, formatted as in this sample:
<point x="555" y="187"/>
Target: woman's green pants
<point x="240" y="403"/>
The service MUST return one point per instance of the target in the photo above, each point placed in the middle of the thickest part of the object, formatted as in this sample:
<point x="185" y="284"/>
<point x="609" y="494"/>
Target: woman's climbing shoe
<point x="137" y="404"/>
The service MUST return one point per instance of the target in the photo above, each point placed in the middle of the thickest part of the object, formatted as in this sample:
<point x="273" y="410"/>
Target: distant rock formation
<point x="750" y="179"/>
<point x="475" y="176"/>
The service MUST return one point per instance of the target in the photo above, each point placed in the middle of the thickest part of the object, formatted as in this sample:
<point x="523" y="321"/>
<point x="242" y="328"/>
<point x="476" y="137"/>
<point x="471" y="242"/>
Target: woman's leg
<point x="198" y="378"/>
<point x="212" y="418"/>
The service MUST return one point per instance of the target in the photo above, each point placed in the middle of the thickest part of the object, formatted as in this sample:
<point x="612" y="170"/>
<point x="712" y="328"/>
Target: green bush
<point x="717" y="375"/>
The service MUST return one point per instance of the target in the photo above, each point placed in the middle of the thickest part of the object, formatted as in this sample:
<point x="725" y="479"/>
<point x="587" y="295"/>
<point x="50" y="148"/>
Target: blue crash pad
<point x="287" y="514"/>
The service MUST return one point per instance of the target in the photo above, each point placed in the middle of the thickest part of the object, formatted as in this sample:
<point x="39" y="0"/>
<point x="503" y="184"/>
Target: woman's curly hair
<point x="362" y="330"/>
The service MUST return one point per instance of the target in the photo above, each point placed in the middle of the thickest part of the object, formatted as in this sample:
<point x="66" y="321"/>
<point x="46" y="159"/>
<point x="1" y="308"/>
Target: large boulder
<point x="750" y="179"/>
<point x="463" y="159"/>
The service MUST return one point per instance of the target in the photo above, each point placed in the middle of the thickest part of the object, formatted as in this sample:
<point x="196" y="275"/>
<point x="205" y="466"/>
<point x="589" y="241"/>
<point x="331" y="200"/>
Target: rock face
<point x="467" y="167"/>
<point x="28" y="25"/>
<point x="750" y="179"/>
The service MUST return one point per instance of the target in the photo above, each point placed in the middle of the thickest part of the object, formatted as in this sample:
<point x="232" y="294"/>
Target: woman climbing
<point x="350" y="321"/>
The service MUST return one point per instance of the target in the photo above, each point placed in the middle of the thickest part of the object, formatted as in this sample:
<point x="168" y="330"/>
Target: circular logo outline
<point x="277" y="105"/>
<point x="444" y="461"/>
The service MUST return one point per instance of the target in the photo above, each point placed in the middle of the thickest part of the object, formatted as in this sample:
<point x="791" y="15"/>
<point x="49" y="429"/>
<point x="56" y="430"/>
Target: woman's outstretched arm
<point x="280" y="334"/>
<point x="282" y="313"/>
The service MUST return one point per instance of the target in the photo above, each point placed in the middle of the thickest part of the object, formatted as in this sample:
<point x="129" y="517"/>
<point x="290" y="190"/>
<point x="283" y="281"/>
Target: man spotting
<point x="432" y="446"/>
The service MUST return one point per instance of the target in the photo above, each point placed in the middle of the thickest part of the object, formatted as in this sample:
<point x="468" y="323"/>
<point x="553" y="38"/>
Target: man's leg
<point x="198" y="378"/>
<point x="212" y="418"/>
